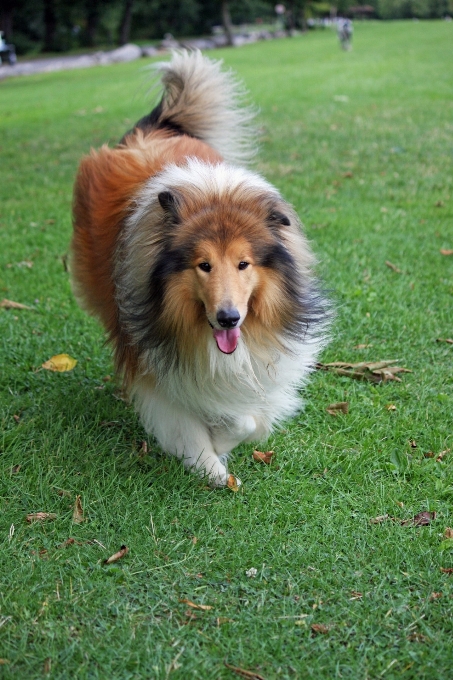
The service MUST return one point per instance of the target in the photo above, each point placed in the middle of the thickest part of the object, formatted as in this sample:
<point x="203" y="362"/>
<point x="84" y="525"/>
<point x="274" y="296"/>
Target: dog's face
<point x="224" y="281"/>
<point x="224" y="254"/>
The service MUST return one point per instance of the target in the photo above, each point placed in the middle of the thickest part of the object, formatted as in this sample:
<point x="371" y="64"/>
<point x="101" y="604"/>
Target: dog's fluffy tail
<point x="202" y="100"/>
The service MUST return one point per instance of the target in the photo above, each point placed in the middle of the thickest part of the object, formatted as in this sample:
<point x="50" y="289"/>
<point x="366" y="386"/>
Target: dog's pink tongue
<point x="227" y="341"/>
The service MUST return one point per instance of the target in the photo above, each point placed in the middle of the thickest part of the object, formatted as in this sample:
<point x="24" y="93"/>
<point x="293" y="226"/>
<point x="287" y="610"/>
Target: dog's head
<point x="216" y="254"/>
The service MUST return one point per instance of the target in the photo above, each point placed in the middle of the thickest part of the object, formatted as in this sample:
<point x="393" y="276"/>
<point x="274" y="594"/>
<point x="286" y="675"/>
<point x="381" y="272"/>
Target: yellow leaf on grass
<point x="202" y="607"/>
<point x="232" y="483"/>
<point x="10" y="304"/>
<point x="319" y="629"/>
<point x="41" y="516"/>
<point x="338" y="407"/>
<point x="60" y="363"/>
<point x="118" y="555"/>
<point x="77" y="514"/>
<point x="263" y="456"/>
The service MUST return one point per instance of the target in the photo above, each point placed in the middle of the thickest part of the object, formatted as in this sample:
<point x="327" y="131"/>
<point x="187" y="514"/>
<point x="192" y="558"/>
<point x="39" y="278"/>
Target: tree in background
<point x="126" y="22"/>
<point x="6" y="18"/>
<point x="226" y="22"/>
<point x="58" y="25"/>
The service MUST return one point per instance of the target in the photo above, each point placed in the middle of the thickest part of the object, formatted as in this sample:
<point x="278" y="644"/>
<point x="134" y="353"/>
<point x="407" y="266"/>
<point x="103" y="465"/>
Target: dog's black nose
<point x="228" y="318"/>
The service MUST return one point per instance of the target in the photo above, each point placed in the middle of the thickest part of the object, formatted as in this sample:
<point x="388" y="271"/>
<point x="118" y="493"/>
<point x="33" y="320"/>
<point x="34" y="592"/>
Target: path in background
<point x="128" y="52"/>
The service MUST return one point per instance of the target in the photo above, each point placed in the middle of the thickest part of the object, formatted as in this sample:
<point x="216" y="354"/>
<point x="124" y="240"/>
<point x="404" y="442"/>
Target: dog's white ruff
<point x="202" y="415"/>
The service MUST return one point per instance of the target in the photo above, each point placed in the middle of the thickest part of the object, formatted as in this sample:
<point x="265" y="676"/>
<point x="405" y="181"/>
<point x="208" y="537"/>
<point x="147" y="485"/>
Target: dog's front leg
<point x="182" y="435"/>
<point x="227" y="437"/>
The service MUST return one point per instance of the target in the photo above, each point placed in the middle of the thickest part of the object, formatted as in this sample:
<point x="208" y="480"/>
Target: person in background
<point x="344" y="32"/>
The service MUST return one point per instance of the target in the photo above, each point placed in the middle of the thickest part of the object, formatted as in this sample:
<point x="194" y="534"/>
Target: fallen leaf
<point x="417" y="637"/>
<point x="3" y="662"/>
<point x="442" y="454"/>
<point x="382" y="518"/>
<point x="251" y="675"/>
<point x="77" y="514"/>
<point x="362" y="346"/>
<point x="15" y="469"/>
<point x="319" y="629"/>
<point x="448" y="570"/>
<point x="435" y="596"/>
<point x="338" y="407"/>
<point x="232" y="483"/>
<point x="448" y="251"/>
<point x="448" y="533"/>
<point x="447" y="340"/>
<point x="190" y="617"/>
<point x="439" y="204"/>
<point x="223" y="619"/>
<point x="41" y="516"/>
<point x="413" y="443"/>
<point x="9" y="304"/>
<point x="47" y="665"/>
<point x="118" y="555"/>
<point x="377" y="371"/>
<point x="421" y="519"/>
<point x="263" y="456"/>
<point x="393" y="267"/>
<point x="60" y="363"/>
<point x="391" y="407"/>
<point x="202" y="607"/>
<point x="356" y="595"/>
<point x="348" y="173"/>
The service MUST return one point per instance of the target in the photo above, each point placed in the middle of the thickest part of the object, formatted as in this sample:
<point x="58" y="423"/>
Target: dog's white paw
<point x="222" y="479"/>
<point x="217" y="474"/>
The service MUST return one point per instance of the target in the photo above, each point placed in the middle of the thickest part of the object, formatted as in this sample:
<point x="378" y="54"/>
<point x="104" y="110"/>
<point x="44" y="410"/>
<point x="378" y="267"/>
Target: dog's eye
<point x="205" y="266"/>
<point x="243" y="265"/>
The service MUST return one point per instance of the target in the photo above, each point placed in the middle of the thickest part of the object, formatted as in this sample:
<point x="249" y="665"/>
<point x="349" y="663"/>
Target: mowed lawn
<point x="361" y="143"/>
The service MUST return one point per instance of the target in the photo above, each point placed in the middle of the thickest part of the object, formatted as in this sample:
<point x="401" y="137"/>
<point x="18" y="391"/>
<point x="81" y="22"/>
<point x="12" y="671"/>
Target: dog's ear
<point x="278" y="218"/>
<point x="169" y="203"/>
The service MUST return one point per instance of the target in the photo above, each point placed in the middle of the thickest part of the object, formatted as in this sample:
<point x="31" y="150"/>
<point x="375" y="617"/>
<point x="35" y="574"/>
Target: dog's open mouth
<point x="227" y="340"/>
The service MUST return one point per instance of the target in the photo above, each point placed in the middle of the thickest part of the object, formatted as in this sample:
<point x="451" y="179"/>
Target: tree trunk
<point x="50" y="26"/>
<point x="290" y="17"/>
<point x="6" y="20"/>
<point x="92" y="19"/>
<point x="125" y="25"/>
<point x="226" y="21"/>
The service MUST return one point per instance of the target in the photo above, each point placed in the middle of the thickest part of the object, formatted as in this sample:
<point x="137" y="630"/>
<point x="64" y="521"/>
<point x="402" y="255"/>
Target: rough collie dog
<point x="198" y="270"/>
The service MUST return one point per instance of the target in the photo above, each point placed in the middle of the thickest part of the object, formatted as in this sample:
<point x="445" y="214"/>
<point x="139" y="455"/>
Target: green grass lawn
<point x="362" y="144"/>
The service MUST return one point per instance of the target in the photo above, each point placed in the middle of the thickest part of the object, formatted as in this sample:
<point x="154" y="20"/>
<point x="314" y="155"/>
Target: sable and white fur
<point x="198" y="270"/>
